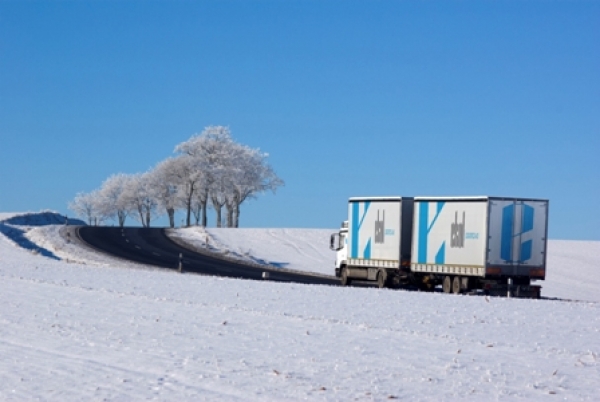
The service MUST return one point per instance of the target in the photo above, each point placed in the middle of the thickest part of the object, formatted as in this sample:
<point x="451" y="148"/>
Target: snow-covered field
<point x="99" y="328"/>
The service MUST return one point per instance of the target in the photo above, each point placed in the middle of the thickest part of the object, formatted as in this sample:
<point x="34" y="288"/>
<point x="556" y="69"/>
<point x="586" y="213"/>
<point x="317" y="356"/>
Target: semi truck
<point x="495" y="245"/>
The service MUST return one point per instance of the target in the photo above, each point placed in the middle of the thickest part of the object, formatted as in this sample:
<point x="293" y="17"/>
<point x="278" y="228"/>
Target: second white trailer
<point x="472" y="241"/>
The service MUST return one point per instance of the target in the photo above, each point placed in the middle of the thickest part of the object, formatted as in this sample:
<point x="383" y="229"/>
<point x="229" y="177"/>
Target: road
<point x="152" y="246"/>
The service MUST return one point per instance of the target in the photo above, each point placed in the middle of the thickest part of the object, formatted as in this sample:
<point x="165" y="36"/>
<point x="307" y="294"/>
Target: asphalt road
<point x="152" y="246"/>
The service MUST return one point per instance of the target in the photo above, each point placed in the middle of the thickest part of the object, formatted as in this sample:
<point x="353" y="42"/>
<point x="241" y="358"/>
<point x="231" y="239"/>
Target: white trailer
<point x="463" y="243"/>
<point x="480" y="242"/>
<point x="374" y="244"/>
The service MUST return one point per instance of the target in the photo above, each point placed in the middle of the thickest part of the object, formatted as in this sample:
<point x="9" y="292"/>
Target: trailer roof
<point x="451" y="198"/>
<point x="477" y="198"/>
<point x="467" y="198"/>
<point x="392" y="198"/>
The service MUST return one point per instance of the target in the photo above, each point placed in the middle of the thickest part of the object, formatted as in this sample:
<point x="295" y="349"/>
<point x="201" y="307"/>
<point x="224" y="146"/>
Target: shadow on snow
<point x="17" y="235"/>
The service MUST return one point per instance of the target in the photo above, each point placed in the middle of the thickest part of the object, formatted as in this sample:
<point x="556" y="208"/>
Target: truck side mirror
<point x="332" y="244"/>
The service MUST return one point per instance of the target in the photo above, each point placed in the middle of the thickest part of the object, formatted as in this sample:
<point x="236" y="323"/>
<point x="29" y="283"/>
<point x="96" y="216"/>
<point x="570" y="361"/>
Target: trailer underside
<point x="459" y="280"/>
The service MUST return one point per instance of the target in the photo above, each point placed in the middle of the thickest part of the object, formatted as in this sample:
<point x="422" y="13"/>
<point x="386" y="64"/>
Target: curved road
<point x="152" y="246"/>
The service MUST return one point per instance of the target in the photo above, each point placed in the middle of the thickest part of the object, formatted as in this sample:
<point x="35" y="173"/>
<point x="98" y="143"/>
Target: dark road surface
<point x="151" y="246"/>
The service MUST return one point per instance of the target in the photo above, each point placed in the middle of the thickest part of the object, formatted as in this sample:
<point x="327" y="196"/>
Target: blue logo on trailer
<point x="509" y="232"/>
<point x="424" y="229"/>
<point x="357" y="222"/>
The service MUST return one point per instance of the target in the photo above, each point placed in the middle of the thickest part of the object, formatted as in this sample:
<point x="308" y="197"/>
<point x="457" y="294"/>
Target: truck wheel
<point x="447" y="284"/>
<point x="344" y="277"/>
<point x="456" y="285"/>
<point x="381" y="278"/>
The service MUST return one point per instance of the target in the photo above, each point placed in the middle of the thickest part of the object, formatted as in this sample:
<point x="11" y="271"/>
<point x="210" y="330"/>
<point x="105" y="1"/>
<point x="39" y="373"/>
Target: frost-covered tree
<point x="252" y="176"/>
<point x="231" y="172"/>
<point x="189" y="177"/>
<point x="85" y="206"/>
<point x="218" y="197"/>
<point x="208" y="152"/>
<point x="210" y="168"/>
<point x="111" y="202"/>
<point x="140" y="197"/>
<point x="165" y="181"/>
<point x="224" y="166"/>
<point x="199" y="204"/>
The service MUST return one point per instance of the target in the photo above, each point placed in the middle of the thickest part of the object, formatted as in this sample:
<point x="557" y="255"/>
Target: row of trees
<point x="210" y="170"/>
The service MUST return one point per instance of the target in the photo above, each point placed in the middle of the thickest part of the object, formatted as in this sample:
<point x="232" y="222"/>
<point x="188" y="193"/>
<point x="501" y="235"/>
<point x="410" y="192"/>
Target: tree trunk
<point x="197" y="212"/>
<point x="218" y="210"/>
<point x="189" y="211"/>
<point x="229" y="212"/>
<point x="171" y="213"/>
<point x="204" y="216"/>
<point x="122" y="215"/>
<point x="236" y="215"/>
<point x="141" y="214"/>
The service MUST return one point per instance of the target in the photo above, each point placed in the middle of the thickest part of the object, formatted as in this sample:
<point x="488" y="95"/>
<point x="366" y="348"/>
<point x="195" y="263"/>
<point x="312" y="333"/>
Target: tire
<point x="447" y="284"/>
<point x="381" y="279"/>
<point x="456" y="288"/>
<point x="345" y="281"/>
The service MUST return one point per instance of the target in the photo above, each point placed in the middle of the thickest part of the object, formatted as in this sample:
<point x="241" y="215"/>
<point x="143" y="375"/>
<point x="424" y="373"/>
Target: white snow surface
<point x="100" y="329"/>
<point x="295" y="249"/>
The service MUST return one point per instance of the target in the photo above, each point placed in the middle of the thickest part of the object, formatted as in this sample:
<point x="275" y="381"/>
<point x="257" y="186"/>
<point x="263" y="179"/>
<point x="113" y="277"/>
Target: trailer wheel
<point x="381" y="278"/>
<point x="344" y="277"/>
<point x="447" y="284"/>
<point x="456" y="285"/>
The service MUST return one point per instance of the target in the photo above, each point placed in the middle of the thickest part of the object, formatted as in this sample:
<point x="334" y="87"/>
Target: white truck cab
<point x="339" y="243"/>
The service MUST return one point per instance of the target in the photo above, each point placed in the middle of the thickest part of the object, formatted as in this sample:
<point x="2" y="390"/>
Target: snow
<point x="101" y="328"/>
<point x="295" y="249"/>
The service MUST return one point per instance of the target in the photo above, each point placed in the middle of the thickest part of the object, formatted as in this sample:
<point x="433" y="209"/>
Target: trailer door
<point x="517" y="232"/>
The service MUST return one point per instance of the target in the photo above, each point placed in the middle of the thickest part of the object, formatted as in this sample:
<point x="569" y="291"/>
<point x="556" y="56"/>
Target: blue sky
<point x="349" y="98"/>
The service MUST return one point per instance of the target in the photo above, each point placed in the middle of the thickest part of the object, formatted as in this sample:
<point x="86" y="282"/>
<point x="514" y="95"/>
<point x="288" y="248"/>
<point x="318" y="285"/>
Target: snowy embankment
<point x="80" y="331"/>
<point x="297" y="249"/>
